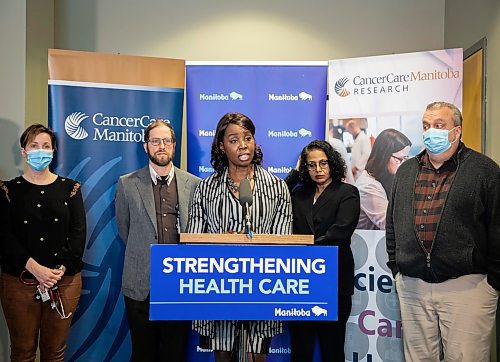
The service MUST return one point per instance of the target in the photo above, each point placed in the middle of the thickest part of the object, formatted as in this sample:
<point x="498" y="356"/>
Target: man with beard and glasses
<point x="152" y="208"/>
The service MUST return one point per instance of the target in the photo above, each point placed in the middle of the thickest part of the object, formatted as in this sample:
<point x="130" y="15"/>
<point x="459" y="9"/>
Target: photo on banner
<point x="375" y="111"/>
<point x="99" y="106"/>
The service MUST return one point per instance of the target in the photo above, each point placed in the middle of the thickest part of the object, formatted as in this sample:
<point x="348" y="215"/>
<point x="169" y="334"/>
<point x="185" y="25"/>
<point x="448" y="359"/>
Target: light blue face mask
<point x="436" y="140"/>
<point x="39" y="160"/>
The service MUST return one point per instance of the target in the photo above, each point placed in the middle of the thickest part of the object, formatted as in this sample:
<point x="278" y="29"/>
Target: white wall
<point x="12" y="87"/>
<point x="39" y="37"/>
<point x="250" y="30"/>
<point x="26" y="31"/>
<point x="12" y="78"/>
<point x="466" y="22"/>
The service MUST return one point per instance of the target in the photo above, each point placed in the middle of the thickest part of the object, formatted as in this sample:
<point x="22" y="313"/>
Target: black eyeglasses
<point x="323" y="164"/>
<point x="401" y="159"/>
<point x="156" y="141"/>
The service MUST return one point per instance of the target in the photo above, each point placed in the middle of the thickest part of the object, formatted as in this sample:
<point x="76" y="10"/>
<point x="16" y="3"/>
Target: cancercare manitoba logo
<point x="72" y="125"/>
<point x="340" y="87"/>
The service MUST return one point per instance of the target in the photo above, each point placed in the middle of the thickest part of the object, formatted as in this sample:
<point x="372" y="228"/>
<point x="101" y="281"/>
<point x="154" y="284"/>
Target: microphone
<point x="246" y="201"/>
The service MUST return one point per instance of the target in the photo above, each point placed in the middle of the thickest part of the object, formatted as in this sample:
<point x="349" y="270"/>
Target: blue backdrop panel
<point x="287" y="103"/>
<point x="100" y="133"/>
<point x="234" y="282"/>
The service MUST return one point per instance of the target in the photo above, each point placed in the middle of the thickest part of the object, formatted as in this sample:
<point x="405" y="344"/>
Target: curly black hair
<point x="336" y="163"/>
<point x="218" y="158"/>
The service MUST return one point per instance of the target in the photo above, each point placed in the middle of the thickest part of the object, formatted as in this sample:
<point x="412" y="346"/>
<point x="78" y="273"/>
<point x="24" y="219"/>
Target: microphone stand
<point x="243" y="335"/>
<point x="245" y="202"/>
<point x="242" y="351"/>
<point x="243" y="332"/>
<point x="245" y="327"/>
<point x="248" y="223"/>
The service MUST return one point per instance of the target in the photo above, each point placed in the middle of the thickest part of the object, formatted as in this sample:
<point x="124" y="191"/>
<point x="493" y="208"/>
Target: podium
<point x="242" y="333"/>
<point x="256" y="239"/>
<point x="242" y="278"/>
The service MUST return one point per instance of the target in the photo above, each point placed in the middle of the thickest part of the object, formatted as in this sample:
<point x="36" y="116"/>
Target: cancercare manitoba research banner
<point x="99" y="107"/>
<point x="384" y="92"/>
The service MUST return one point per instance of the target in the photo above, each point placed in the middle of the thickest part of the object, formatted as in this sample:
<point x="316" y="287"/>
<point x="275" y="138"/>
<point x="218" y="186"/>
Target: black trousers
<point x="331" y="336"/>
<point x="155" y="340"/>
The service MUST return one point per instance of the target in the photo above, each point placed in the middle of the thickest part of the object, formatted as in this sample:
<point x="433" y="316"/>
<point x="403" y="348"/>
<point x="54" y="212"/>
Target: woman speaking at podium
<point x="216" y="209"/>
<point x="325" y="206"/>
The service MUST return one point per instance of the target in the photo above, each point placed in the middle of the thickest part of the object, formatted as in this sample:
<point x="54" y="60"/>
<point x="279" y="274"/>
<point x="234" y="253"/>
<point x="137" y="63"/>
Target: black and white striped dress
<point x="216" y="210"/>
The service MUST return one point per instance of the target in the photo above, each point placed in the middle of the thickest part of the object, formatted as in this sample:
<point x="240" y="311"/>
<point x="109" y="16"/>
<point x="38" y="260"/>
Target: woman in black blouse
<point x="328" y="208"/>
<point x="43" y="237"/>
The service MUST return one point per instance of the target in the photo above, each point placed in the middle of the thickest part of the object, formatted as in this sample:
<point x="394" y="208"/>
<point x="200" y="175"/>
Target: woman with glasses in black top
<point x="328" y="208"/>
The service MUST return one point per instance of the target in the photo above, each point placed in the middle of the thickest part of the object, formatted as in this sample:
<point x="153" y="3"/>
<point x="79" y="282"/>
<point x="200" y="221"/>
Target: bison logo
<point x="304" y="132"/>
<point x="318" y="311"/>
<point x="305" y="96"/>
<point x="236" y="96"/>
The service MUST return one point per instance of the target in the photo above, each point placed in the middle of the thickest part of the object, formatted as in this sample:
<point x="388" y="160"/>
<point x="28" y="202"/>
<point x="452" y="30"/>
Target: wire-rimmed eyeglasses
<point x="156" y="141"/>
<point x="323" y="164"/>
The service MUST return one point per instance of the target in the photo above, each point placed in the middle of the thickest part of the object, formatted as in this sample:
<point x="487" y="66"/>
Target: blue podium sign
<point x="240" y="282"/>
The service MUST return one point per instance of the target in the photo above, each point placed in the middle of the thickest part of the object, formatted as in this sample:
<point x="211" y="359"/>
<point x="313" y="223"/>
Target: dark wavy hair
<point x="337" y="165"/>
<point x="34" y="130"/>
<point x="218" y="158"/>
<point x="386" y="143"/>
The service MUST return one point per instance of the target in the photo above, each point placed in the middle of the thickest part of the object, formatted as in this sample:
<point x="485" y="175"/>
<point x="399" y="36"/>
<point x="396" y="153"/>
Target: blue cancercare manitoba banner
<point x="99" y="107"/>
<point x="286" y="102"/>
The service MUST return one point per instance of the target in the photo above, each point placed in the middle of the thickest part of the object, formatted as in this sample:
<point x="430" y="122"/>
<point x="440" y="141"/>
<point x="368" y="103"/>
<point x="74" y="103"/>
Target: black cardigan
<point x="44" y="222"/>
<point x="468" y="235"/>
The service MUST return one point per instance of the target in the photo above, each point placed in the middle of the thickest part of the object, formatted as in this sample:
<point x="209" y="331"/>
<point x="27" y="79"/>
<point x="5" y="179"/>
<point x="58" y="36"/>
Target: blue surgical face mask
<point x="39" y="160"/>
<point x="436" y="140"/>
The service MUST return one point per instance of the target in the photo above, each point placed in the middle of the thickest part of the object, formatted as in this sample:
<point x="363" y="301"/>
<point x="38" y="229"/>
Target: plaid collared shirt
<point x="431" y="191"/>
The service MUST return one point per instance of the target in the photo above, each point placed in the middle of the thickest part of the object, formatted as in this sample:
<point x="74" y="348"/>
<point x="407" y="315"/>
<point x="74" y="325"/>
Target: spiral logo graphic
<point x="340" y="88"/>
<point x="72" y="125"/>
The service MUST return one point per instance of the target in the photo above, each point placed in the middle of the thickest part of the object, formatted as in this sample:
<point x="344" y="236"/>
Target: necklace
<point x="233" y="186"/>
